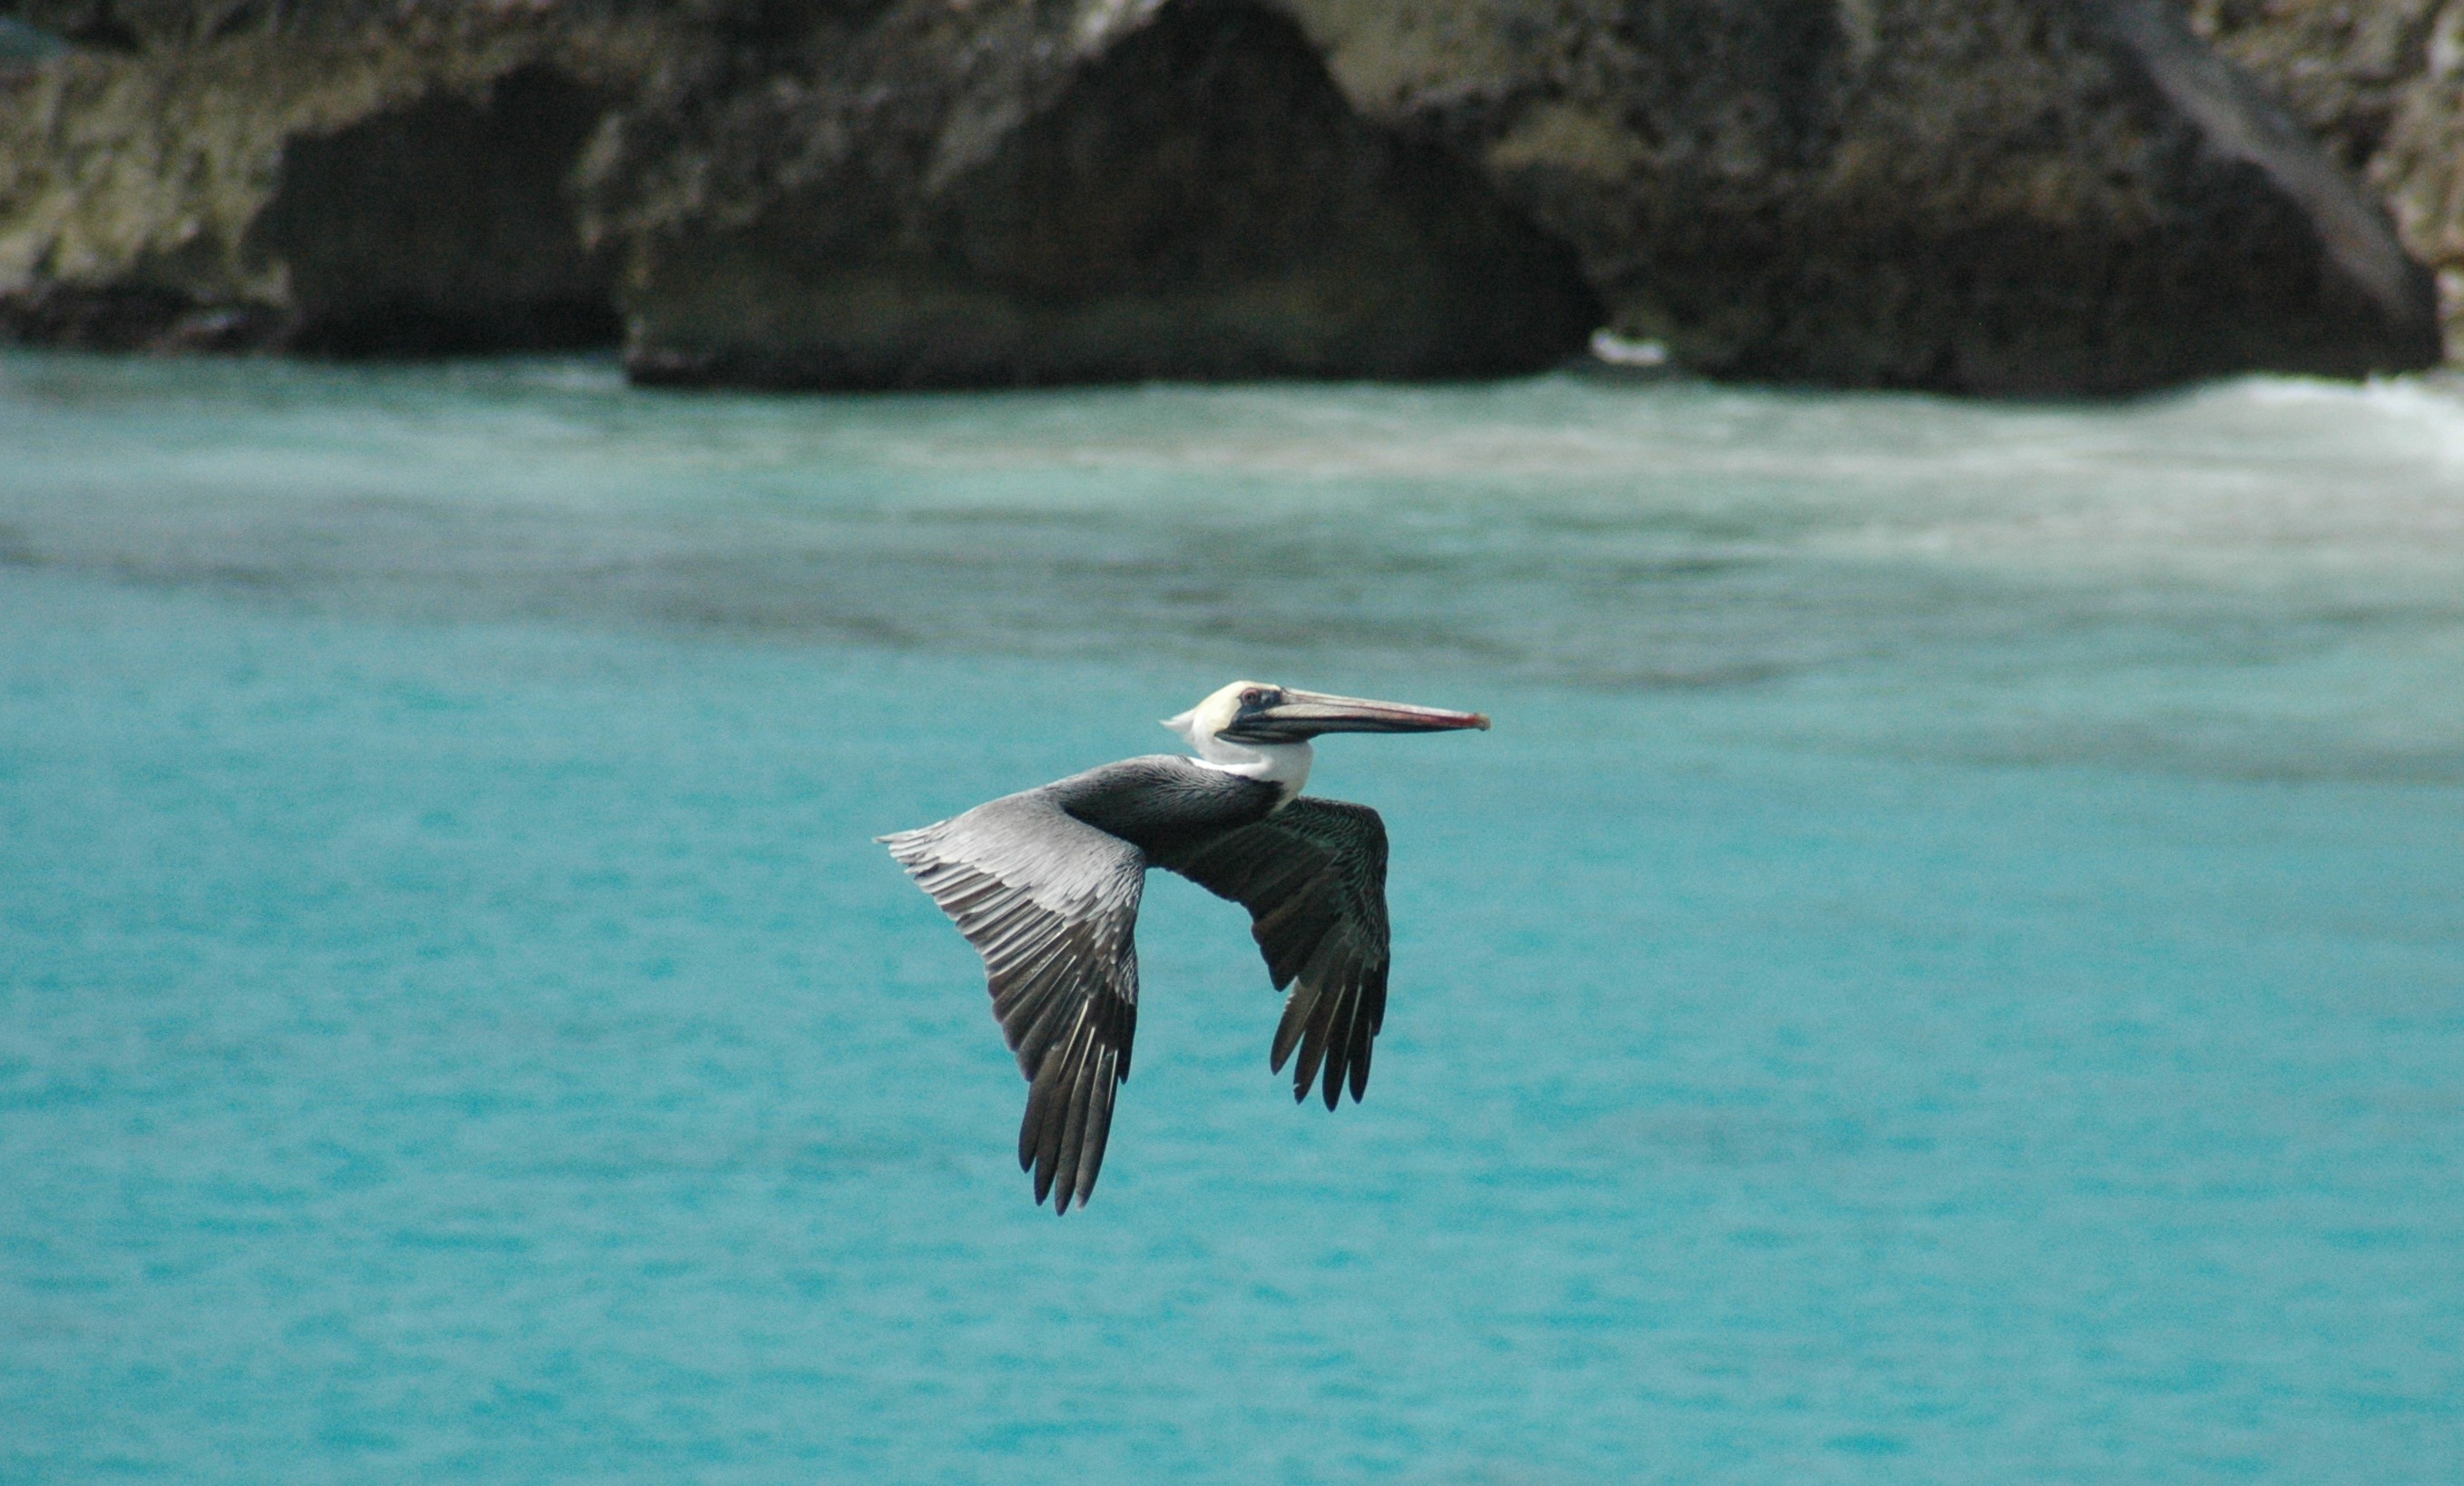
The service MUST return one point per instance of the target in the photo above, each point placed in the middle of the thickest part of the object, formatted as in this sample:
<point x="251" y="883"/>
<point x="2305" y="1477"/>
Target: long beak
<point x="1304" y="715"/>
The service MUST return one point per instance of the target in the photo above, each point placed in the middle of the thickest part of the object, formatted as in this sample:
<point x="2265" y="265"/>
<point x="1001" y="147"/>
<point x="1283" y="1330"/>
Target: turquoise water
<point x="1950" y="967"/>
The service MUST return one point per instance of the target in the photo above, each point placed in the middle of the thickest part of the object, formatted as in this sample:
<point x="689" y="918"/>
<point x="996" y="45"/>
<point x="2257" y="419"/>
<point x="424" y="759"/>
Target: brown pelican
<point x="1045" y="885"/>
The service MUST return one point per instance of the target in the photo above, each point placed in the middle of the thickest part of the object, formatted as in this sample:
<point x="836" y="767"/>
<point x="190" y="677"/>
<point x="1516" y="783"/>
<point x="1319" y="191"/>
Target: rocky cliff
<point x="940" y="197"/>
<point x="2382" y="85"/>
<point x="1980" y="195"/>
<point x="354" y="178"/>
<point x="2003" y="196"/>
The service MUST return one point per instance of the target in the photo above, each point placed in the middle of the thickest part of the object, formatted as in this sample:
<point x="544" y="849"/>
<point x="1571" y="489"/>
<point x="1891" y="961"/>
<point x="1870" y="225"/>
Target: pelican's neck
<point x="1285" y="766"/>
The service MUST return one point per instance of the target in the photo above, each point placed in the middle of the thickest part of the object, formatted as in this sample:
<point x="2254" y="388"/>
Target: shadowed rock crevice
<point x="1197" y="202"/>
<point x="2382" y="87"/>
<point x="442" y="227"/>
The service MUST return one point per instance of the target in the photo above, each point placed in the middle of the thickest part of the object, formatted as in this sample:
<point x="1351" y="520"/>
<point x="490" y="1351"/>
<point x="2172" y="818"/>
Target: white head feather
<point x="1285" y="765"/>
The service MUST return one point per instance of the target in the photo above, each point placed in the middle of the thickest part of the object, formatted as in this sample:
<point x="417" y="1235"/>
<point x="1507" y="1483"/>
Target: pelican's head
<point x="1255" y="728"/>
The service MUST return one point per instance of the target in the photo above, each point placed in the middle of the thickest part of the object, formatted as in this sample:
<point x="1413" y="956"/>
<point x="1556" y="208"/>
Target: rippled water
<point x="1949" y="968"/>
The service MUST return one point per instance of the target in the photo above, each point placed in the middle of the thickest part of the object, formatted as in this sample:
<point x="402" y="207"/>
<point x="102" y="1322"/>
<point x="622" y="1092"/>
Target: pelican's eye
<point x="1254" y="698"/>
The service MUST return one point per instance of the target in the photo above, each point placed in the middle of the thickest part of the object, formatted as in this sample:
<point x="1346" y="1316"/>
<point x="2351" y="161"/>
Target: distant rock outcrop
<point x="364" y="179"/>
<point x="940" y="198"/>
<point x="2003" y="196"/>
<point x="2382" y="85"/>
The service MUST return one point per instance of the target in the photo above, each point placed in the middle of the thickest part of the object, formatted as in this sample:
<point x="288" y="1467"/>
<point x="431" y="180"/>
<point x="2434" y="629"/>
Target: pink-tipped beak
<point x="1304" y="715"/>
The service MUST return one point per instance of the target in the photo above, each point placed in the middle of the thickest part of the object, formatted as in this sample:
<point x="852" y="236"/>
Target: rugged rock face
<point x="440" y="227"/>
<point x="2001" y="196"/>
<point x="1188" y="198"/>
<point x="1184" y="195"/>
<point x="2383" y="86"/>
<point x="2007" y="196"/>
<point x="196" y="176"/>
<point x="801" y="195"/>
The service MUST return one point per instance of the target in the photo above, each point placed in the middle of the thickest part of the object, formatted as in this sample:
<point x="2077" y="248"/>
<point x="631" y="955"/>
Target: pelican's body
<point x="1045" y="885"/>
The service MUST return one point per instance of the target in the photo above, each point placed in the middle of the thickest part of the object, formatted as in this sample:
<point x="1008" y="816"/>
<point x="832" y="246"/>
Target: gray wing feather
<point x="1052" y="906"/>
<point x="1313" y="878"/>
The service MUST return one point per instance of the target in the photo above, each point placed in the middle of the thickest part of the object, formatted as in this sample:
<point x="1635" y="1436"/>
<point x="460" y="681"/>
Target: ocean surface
<point x="1950" y="967"/>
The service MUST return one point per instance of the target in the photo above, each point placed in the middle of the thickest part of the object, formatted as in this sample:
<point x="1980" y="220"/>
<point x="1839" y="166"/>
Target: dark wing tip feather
<point x="1364" y="1035"/>
<point x="1069" y="1119"/>
<point x="1289" y="1031"/>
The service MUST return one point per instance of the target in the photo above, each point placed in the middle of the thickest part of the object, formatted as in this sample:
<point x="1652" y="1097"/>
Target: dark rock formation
<point x="1189" y="199"/>
<point x="2382" y="87"/>
<point x="2007" y="196"/>
<point x="2002" y="196"/>
<point x="441" y="227"/>
<point x="343" y="179"/>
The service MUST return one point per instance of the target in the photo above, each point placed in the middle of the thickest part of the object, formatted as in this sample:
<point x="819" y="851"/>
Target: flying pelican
<point x="1045" y="885"/>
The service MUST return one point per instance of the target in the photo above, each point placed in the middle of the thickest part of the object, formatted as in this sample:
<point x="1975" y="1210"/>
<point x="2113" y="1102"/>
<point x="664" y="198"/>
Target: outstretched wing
<point x="1313" y="878"/>
<point x="1052" y="906"/>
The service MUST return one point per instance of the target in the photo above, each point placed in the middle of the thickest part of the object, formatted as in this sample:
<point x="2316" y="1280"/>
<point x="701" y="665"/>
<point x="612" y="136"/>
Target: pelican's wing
<point x="1052" y="904"/>
<point x="1313" y="878"/>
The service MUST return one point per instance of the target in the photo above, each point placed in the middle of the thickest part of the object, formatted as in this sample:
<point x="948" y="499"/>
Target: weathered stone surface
<point x="1175" y="194"/>
<point x="2002" y="196"/>
<point x="2009" y="196"/>
<point x="348" y="183"/>
<point x="2381" y="84"/>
